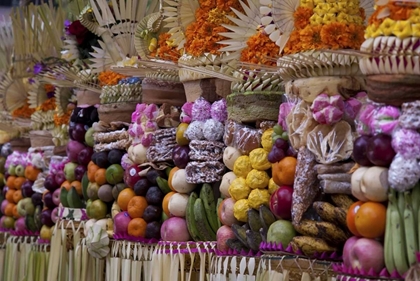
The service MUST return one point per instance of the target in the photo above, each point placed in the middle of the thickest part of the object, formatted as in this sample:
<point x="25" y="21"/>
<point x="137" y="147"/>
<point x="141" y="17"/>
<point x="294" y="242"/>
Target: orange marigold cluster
<point x="203" y="34"/>
<point x="165" y="49"/>
<point x="335" y="35"/>
<point x="109" y="78"/>
<point x="47" y="105"/>
<point x="63" y="119"/>
<point x="396" y="12"/>
<point x="23" y="112"/>
<point x="49" y="88"/>
<point x="259" y="49"/>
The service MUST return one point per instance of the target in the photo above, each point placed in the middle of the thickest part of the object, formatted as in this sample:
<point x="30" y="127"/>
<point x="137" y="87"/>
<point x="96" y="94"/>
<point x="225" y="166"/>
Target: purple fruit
<point x="281" y="144"/>
<point x="79" y="172"/>
<point x="78" y="133"/>
<point x="291" y="152"/>
<point x="275" y="155"/>
<point x="37" y="199"/>
<point x="360" y="150"/>
<point x="26" y="188"/>
<point x="59" y="178"/>
<point x="50" y="183"/>
<point x="180" y="156"/>
<point x="85" y="156"/>
<point x="48" y="201"/>
<point x="46" y="218"/>
<point x="380" y="151"/>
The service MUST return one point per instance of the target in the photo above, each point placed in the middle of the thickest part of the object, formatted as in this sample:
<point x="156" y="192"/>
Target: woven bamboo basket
<point x="296" y="268"/>
<point x="41" y="138"/>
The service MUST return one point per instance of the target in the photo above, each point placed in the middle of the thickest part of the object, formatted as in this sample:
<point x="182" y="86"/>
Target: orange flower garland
<point x="165" y="49"/>
<point x="23" y="112"/>
<point x="63" y="119"/>
<point x="302" y="16"/>
<point x="203" y="34"/>
<point x="48" y="104"/>
<point x="259" y="46"/>
<point x="396" y="12"/>
<point x="109" y="78"/>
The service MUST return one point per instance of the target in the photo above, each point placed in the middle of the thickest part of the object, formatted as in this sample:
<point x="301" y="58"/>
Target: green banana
<point x="207" y="197"/>
<point x="30" y="223"/>
<point x="73" y="199"/>
<point x="263" y="233"/>
<point x="168" y="171"/>
<point x="254" y="240"/>
<point x="37" y="217"/>
<point x="63" y="197"/>
<point x="415" y="200"/>
<point x="189" y="216"/>
<point x="163" y="185"/>
<point x="85" y="184"/>
<point x="410" y="229"/>
<point x="254" y="221"/>
<point x="219" y="201"/>
<point x="237" y="245"/>
<point x="401" y="203"/>
<point x="398" y="240"/>
<point x="203" y="226"/>
<point x="389" y="256"/>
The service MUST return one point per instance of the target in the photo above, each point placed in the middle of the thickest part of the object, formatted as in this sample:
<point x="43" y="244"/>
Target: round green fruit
<point x="281" y="231"/>
<point x="114" y="174"/>
<point x="180" y="138"/>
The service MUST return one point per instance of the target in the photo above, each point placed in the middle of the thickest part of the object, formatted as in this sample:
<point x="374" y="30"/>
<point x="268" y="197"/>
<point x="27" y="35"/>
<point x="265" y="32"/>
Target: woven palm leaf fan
<point x="36" y="93"/>
<point x="116" y="27"/>
<point x="37" y="32"/>
<point x="6" y="44"/>
<point x="278" y="19"/>
<point x="62" y="99"/>
<point x="147" y="29"/>
<point x="13" y="93"/>
<point x="178" y="15"/>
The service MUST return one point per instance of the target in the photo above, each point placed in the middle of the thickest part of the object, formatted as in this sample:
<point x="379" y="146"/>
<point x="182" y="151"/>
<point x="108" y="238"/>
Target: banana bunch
<point x="402" y="230"/>
<point x="201" y="214"/>
<point x="324" y="236"/>
<point x="251" y="234"/>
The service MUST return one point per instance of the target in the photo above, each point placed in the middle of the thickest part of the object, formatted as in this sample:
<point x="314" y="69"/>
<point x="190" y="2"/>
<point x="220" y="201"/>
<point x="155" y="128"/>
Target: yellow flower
<point x="416" y="29"/>
<point x="357" y="20"/>
<point x="321" y="9"/>
<point x="331" y="1"/>
<point x="376" y="32"/>
<point x="402" y="29"/>
<point x="343" y="18"/>
<point x="333" y="8"/>
<point x="329" y="18"/>
<point x="415" y="13"/>
<point x="342" y="7"/>
<point x="387" y="26"/>
<point x="415" y="19"/>
<point x="306" y="4"/>
<point x="315" y="19"/>
<point x="369" y="31"/>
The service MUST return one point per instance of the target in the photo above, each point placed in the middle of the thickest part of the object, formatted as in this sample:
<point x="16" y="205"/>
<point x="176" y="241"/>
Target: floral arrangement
<point x="332" y="25"/>
<point x="203" y="34"/>
<point x="23" y="112"/>
<point x="401" y="20"/>
<point x="82" y="38"/>
<point x="165" y="48"/>
<point x="109" y="78"/>
<point x="63" y="119"/>
<point x="259" y="47"/>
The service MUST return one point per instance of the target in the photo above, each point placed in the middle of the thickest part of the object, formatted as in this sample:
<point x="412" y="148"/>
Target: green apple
<point x="89" y="137"/>
<point x="9" y="222"/>
<point x="281" y="231"/>
<point x="114" y="174"/>
<point x="98" y="210"/>
<point x="12" y="170"/>
<point x="92" y="191"/>
<point x="20" y="171"/>
<point x="26" y="207"/>
<point x="69" y="171"/>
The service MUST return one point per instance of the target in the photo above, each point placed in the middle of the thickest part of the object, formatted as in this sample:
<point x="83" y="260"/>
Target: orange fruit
<point x="124" y="197"/>
<point x="370" y="220"/>
<point x="18" y="182"/>
<point x="17" y="196"/>
<point x="136" y="206"/>
<point x="90" y="164"/>
<point x="100" y="177"/>
<point x="171" y="175"/>
<point x="8" y="211"/>
<point x="283" y="172"/>
<point x="66" y="185"/>
<point x="351" y="215"/>
<point x="91" y="172"/>
<point x="31" y="173"/>
<point x="15" y="212"/>
<point x="10" y="182"/>
<point x="78" y="186"/>
<point x="137" y="227"/>
<point x="9" y="195"/>
<point x="165" y="202"/>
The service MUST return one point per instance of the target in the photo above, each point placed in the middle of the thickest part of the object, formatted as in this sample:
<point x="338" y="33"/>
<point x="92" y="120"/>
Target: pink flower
<point x="328" y="110"/>
<point x="385" y="119"/>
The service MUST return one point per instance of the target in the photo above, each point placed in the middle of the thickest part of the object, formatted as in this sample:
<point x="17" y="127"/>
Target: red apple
<point x="225" y="212"/>
<point x="380" y="151"/>
<point x="59" y="178"/>
<point x="223" y="234"/>
<point x="175" y="229"/>
<point x="121" y="221"/>
<point x="26" y="188"/>
<point x="85" y="156"/>
<point x="56" y="196"/>
<point x="131" y="175"/>
<point x="366" y="254"/>
<point x="48" y="200"/>
<point x="281" y="202"/>
<point x="347" y="249"/>
<point x="55" y="215"/>
<point x="79" y="172"/>
<point x="50" y="183"/>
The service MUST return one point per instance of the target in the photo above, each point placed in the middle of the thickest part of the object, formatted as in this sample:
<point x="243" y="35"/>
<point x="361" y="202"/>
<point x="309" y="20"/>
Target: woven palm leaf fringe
<point x="229" y="268"/>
